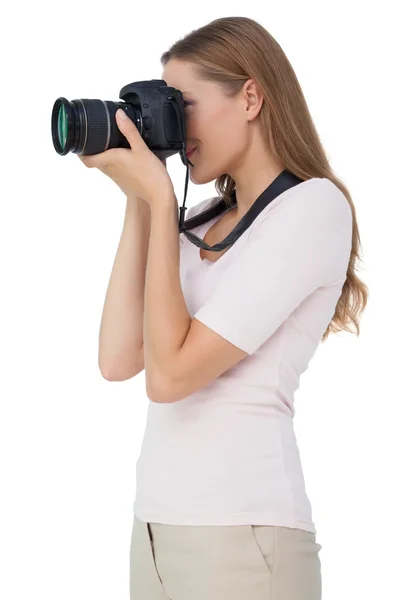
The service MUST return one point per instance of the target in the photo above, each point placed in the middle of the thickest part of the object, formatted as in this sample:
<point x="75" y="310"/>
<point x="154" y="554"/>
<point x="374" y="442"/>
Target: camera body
<point x="88" y="126"/>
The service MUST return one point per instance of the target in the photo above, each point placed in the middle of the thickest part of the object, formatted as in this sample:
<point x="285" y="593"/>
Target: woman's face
<point x="214" y="123"/>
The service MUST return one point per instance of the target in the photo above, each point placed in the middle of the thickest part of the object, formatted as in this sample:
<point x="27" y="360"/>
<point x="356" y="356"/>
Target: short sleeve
<point x="299" y="246"/>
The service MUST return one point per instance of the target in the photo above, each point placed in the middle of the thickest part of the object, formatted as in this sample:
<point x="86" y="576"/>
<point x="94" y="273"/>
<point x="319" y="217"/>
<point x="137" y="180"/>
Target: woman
<point x="221" y="510"/>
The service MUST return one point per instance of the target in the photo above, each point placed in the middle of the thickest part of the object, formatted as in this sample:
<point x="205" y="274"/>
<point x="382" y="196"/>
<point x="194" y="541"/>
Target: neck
<point x="253" y="173"/>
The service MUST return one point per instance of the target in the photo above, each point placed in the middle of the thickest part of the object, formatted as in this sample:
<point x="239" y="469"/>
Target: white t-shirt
<point x="227" y="454"/>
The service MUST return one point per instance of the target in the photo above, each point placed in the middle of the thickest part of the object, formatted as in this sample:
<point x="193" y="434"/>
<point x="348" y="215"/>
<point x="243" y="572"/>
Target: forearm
<point x="121" y="329"/>
<point x="166" y="318"/>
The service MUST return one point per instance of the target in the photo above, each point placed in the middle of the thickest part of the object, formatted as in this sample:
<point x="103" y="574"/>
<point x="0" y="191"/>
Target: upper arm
<point x="204" y="356"/>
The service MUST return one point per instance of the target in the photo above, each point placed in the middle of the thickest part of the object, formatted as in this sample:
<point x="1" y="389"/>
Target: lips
<point x="190" y="151"/>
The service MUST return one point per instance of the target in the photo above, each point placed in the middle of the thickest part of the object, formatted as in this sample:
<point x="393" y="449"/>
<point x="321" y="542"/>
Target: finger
<point x="128" y="129"/>
<point x="86" y="160"/>
<point x="100" y="159"/>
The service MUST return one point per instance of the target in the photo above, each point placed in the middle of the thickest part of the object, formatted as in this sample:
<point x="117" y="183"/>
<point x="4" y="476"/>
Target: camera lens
<point x="62" y="126"/>
<point x="88" y="126"/>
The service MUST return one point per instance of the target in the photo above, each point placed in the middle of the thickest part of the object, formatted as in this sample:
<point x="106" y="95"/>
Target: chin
<point x="194" y="178"/>
<point x="199" y="178"/>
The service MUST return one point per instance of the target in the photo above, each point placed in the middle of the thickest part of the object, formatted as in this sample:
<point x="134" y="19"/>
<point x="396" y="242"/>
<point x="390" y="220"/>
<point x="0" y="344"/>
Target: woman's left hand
<point x="136" y="170"/>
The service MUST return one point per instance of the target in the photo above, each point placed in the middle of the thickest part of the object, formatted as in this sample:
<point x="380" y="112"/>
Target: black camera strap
<point x="283" y="182"/>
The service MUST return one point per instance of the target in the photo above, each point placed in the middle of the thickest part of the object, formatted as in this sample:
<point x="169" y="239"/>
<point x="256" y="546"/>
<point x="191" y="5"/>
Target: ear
<point x="253" y="98"/>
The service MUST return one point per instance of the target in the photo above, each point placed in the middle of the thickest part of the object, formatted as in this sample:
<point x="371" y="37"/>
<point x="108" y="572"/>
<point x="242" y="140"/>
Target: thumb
<point x="127" y="127"/>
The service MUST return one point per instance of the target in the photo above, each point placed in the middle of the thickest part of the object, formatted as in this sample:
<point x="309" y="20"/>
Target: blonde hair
<point x="231" y="50"/>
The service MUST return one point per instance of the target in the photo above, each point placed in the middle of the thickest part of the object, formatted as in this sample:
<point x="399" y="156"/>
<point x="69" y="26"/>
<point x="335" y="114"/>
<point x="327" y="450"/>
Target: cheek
<point x="224" y="129"/>
<point x="223" y="141"/>
<point x="220" y="135"/>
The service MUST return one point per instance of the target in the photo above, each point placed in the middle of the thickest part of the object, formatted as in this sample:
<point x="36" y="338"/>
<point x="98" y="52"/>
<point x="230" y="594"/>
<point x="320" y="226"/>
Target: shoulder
<point x="314" y="202"/>
<point x="322" y="197"/>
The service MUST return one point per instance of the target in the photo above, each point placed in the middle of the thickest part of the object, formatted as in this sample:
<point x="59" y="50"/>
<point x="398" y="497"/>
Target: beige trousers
<point x="241" y="562"/>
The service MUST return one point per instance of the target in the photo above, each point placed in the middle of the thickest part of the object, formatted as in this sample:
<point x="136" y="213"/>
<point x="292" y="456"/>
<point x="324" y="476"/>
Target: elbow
<point x="113" y="375"/>
<point x="110" y="376"/>
<point x="105" y="373"/>
<point x="121" y="370"/>
<point x="159" y="389"/>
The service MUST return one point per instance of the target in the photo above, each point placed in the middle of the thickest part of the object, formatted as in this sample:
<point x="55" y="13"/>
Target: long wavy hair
<point x="229" y="51"/>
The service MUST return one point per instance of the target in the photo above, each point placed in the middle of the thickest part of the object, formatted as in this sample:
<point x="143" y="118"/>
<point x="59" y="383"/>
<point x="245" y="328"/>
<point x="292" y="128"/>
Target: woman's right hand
<point x="164" y="162"/>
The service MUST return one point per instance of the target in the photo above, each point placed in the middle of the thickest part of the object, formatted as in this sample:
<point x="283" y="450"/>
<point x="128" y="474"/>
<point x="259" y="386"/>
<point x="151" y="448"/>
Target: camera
<point x="88" y="126"/>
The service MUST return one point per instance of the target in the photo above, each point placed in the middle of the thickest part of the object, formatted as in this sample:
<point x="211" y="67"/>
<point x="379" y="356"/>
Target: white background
<point x="69" y="438"/>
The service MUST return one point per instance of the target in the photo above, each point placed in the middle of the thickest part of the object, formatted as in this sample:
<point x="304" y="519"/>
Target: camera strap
<point x="284" y="181"/>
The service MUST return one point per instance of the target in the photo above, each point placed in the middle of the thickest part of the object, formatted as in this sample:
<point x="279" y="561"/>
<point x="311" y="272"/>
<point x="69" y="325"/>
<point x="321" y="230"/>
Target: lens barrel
<point x="88" y="126"/>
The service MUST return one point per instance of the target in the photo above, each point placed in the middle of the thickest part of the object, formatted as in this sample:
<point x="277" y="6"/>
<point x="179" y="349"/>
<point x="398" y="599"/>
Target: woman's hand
<point x="136" y="170"/>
